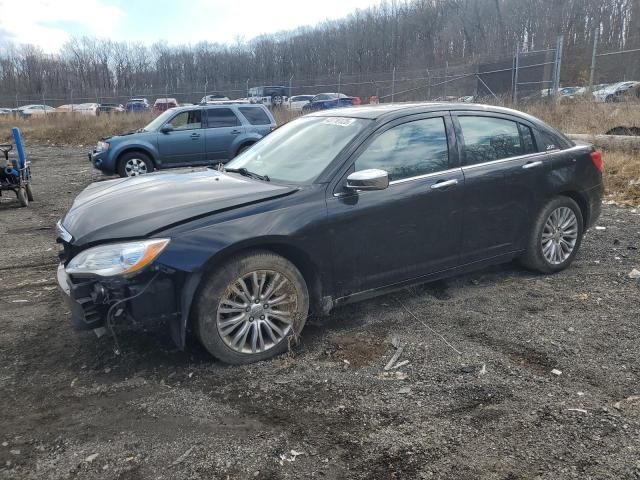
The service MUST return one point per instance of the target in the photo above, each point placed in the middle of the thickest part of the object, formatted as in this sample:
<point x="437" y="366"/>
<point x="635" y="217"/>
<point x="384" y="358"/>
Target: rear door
<point x="184" y="145"/>
<point x="504" y="183"/>
<point x="223" y="127"/>
<point x="410" y="229"/>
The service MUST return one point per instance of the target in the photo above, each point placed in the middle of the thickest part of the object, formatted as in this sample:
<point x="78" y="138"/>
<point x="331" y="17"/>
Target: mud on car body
<point x="333" y="207"/>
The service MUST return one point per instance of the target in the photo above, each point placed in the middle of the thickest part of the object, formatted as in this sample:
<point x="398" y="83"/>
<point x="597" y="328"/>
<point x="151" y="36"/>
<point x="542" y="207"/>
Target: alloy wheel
<point x="257" y="311"/>
<point x="559" y="235"/>
<point x="134" y="167"/>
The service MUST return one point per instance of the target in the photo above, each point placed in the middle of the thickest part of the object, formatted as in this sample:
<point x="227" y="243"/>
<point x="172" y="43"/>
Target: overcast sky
<point x="49" y="23"/>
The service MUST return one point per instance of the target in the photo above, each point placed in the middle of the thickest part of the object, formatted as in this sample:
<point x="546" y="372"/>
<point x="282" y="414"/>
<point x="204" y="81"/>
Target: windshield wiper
<point x="243" y="171"/>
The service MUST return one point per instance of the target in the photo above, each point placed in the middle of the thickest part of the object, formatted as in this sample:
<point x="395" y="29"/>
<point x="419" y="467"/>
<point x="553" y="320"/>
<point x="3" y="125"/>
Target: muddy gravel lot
<point x="510" y="375"/>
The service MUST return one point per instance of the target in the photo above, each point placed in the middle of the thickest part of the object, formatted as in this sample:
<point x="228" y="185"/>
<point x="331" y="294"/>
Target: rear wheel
<point x="23" y="198"/>
<point x="27" y="188"/>
<point x="133" y="164"/>
<point x="556" y="236"/>
<point x="251" y="308"/>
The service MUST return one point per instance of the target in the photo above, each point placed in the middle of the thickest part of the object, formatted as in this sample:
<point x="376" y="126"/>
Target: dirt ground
<point x="477" y="400"/>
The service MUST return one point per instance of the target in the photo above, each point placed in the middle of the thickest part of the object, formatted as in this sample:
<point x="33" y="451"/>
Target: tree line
<point x="406" y="35"/>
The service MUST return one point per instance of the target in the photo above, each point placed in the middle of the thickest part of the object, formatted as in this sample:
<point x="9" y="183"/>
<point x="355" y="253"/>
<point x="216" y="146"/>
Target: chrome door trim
<point x="529" y="165"/>
<point x="426" y="175"/>
<point x="520" y="157"/>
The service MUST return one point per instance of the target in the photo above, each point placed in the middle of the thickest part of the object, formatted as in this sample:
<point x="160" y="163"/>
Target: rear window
<point x="255" y="115"/>
<point x="221" y="117"/>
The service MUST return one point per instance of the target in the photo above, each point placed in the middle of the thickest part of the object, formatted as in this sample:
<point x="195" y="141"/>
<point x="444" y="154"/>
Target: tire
<point x="565" y="241"/>
<point x="221" y="300"/>
<point x="27" y="188"/>
<point x="244" y="148"/>
<point x="132" y="164"/>
<point x="23" y="197"/>
<point x="276" y="101"/>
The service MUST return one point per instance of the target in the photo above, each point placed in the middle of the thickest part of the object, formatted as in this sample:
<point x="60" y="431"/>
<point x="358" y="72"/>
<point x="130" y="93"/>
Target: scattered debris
<point x="468" y="369"/>
<point x="401" y="364"/>
<point x="404" y="390"/>
<point x="292" y="458"/>
<point x="600" y="228"/>
<point x="557" y="372"/>
<point x="634" y="274"/>
<point x="182" y="457"/>
<point x="91" y="458"/>
<point x="14" y="452"/>
<point x="396" y="355"/>
<point x="20" y="301"/>
<point x="580" y="394"/>
<point x="483" y="370"/>
<point x="5" y="444"/>
<point x="631" y="399"/>
<point x="580" y="410"/>
<point x="397" y="375"/>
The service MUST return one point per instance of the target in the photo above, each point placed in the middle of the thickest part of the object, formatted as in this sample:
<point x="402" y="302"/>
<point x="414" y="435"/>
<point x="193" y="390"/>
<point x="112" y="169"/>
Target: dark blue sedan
<point x="324" y="101"/>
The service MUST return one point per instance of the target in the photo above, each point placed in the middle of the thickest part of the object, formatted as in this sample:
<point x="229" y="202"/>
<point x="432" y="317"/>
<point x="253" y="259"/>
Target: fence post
<point x="446" y="79"/>
<point x="339" y="81"/>
<point x="290" y="79"/>
<point x="515" y="75"/>
<point x="593" y="58"/>
<point x="393" y="85"/>
<point x="428" y="85"/>
<point x="558" y="66"/>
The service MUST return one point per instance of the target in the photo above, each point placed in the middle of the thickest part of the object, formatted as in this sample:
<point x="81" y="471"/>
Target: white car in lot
<point x="296" y="102"/>
<point x="617" y="92"/>
<point x="31" y="110"/>
<point x="88" y="109"/>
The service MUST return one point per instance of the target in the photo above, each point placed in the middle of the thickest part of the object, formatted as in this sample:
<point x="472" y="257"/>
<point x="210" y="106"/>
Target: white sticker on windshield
<point x="340" y="121"/>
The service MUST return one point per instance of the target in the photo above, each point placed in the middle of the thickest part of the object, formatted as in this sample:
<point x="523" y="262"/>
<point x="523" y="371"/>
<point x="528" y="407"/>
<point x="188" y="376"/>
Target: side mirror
<point x="371" y="179"/>
<point x="167" y="128"/>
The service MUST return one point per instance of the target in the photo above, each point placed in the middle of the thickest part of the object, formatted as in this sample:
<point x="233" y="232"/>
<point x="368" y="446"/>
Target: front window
<point x="160" y="120"/>
<point x="299" y="151"/>
<point x="188" y="120"/>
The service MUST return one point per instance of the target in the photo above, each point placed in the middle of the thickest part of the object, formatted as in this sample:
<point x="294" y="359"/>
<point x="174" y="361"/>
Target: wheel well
<point x="298" y="257"/>
<point x="582" y="203"/>
<point x="245" y="144"/>
<point x="139" y="150"/>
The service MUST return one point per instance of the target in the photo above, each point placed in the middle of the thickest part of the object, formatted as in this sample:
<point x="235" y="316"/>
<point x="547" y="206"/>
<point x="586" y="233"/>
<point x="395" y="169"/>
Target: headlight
<point x="116" y="258"/>
<point x="102" y="146"/>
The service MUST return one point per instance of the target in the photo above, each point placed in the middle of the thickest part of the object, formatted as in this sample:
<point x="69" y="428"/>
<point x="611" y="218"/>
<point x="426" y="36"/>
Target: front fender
<point x="145" y="146"/>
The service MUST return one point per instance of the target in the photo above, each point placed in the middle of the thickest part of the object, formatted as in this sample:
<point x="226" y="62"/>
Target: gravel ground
<point x="477" y="400"/>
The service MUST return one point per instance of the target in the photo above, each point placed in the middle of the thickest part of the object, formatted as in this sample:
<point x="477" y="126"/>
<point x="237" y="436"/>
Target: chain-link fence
<point x="527" y="74"/>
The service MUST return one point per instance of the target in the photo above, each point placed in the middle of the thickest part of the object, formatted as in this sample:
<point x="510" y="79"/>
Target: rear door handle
<point x="445" y="184"/>
<point x="195" y="135"/>
<point x="531" y="165"/>
<point x="235" y="132"/>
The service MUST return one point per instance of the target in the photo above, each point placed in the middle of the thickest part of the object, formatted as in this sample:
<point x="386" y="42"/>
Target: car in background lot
<point x="164" y="104"/>
<point x="296" y="102"/>
<point x="6" y="111"/>
<point x="67" y="108"/>
<point x="110" y="108"/>
<point x="88" y="109"/>
<point x="184" y="136"/>
<point x="324" y="101"/>
<point x="214" y="97"/>
<point x="137" y="105"/>
<point x="331" y="208"/>
<point x="271" y="96"/>
<point x="570" y="93"/>
<point x="618" y="92"/>
<point x="35" y="110"/>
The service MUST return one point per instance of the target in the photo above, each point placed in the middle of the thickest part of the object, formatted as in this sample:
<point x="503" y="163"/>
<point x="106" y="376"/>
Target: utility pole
<point x="393" y="85"/>
<point x="515" y="75"/>
<point x="594" y="54"/>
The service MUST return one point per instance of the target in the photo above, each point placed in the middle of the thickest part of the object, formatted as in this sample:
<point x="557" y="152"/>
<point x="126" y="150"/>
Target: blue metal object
<point x="22" y="156"/>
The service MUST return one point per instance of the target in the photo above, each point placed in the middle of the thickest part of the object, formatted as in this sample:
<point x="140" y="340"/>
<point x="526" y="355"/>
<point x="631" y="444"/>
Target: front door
<point x="222" y="131"/>
<point x="503" y="177"/>
<point x="412" y="228"/>
<point x="183" y="145"/>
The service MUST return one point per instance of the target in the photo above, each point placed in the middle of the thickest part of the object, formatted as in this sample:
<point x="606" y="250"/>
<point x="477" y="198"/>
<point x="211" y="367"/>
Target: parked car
<point x="271" y="96"/>
<point x="570" y="93"/>
<point x="88" y="109"/>
<point x="110" y="108"/>
<point x="67" y="108"/>
<point x="467" y="99"/>
<point x="137" y="105"/>
<point x="164" y="104"/>
<point x="296" y="102"/>
<point x="214" y="97"/>
<point x="331" y="208"/>
<point x="184" y="136"/>
<point x="324" y="101"/>
<point x="618" y="92"/>
<point x="35" y="110"/>
<point x="5" y="111"/>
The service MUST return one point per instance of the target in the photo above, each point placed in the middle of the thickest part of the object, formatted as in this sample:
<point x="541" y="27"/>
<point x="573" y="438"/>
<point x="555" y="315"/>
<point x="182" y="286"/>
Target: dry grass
<point x="622" y="177"/>
<point x="70" y="129"/>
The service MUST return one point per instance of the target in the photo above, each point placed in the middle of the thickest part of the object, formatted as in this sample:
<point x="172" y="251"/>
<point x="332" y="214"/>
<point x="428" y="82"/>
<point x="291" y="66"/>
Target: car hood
<point x="138" y="206"/>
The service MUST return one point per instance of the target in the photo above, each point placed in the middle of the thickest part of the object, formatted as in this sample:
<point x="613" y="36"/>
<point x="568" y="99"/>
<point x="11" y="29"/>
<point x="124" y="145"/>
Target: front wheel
<point x="556" y="236"/>
<point x="251" y="308"/>
<point x="133" y="164"/>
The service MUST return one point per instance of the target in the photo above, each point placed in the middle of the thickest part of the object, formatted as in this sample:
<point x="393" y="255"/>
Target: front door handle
<point x="528" y="165"/>
<point x="235" y="132"/>
<point x="444" y="184"/>
<point x="195" y="135"/>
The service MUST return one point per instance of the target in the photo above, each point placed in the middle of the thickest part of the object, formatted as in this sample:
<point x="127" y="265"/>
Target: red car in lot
<point x="164" y="104"/>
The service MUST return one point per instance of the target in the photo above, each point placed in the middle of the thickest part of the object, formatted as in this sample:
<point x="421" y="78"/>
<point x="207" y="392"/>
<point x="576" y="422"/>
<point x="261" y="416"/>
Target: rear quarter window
<point x="255" y="116"/>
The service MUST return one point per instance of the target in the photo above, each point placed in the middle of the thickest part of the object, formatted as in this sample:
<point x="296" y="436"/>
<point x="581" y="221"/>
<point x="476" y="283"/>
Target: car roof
<point x="374" y="112"/>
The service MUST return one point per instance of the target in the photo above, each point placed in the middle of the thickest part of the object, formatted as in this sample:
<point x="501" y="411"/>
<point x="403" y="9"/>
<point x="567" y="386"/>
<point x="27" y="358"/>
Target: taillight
<point x="596" y="158"/>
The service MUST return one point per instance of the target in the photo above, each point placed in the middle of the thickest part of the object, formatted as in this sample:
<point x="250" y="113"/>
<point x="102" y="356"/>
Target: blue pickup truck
<point x="184" y="136"/>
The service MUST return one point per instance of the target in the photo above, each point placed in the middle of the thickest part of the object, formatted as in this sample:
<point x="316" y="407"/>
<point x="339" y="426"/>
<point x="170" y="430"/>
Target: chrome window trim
<point x="426" y="175"/>
<point x="520" y="157"/>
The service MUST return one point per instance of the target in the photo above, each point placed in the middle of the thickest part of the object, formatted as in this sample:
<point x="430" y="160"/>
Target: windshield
<point x="300" y="150"/>
<point x="160" y="120"/>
